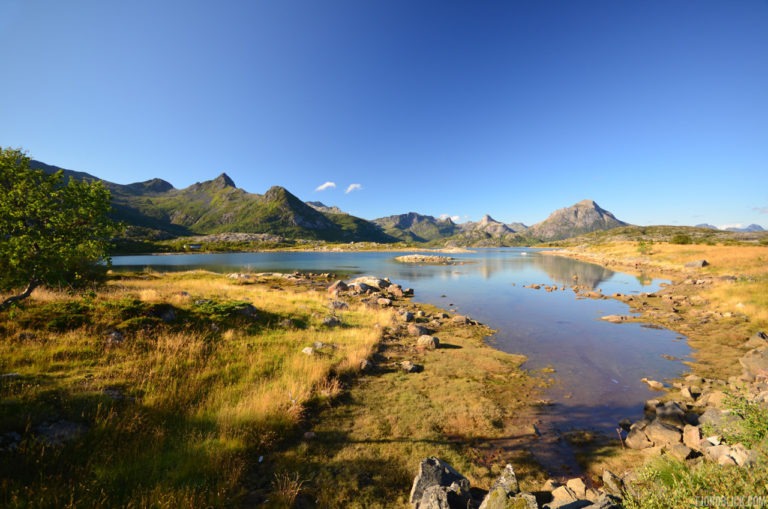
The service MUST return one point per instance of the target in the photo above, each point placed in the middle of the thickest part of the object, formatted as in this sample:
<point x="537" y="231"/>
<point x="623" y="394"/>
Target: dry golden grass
<point x="205" y="394"/>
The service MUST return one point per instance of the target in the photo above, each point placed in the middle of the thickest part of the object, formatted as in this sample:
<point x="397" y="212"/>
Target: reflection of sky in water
<point x="598" y="364"/>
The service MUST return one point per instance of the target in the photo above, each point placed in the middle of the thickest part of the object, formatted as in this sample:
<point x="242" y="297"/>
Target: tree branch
<point x="23" y="295"/>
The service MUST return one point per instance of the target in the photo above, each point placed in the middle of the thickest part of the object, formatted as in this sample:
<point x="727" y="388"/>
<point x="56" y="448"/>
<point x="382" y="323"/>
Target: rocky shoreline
<point x="691" y="421"/>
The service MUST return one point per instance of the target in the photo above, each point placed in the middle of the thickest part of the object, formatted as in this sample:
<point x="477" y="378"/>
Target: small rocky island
<point x="431" y="259"/>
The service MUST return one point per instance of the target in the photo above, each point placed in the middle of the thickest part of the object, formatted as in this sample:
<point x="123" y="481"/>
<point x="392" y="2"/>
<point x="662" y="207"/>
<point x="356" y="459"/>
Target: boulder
<point x="721" y="421"/>
<point x="417" y="330"/>
<point x="438" y="485"/>
<point x="663" y="434"/>
<point x="371" y="282"/>
<point x="716" y="452"/>
<point x="406" y="316"/>
<point x="671" y="413"/>
<point x="692" y="436"/>
<point x="384" y="302"/>
<point x="338" y="286"/>
<point x="338" y="305"/>
<point x="612" y="483"/>
<point x="331" y="321"/>
<point x="502" y="492"/>
<point x="653" y="384"/>
<point x="606" y="501"/>
<point x="578" y="487"/>
<point x="742" y="456"/>
<point x="460" y="320"/>
<point x="755" y="362"/>
<point x="395" y="291"/>
<point x="696" y="264"/>
<point x="428" y="342"/>
<point x="680" y="452"/>
<point x="757" y="340"/>
<point x="410" y="367"/>
<point x="637" y="439"/>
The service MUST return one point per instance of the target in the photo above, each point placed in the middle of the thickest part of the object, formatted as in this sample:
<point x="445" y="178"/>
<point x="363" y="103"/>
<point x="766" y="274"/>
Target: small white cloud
<point x="327" y="185"/>
<point x="734" y="225"/>
<point x="353" y="187"/>
<point x="452" y="218"/>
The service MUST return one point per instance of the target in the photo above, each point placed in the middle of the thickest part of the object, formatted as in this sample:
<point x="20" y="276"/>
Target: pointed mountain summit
<point x="416" y="227"/>
<point x="583" y="217"/>
<point x="223" y="181"/>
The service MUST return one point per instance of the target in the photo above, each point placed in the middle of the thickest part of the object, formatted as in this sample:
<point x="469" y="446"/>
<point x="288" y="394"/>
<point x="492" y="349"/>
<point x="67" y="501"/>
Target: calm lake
<point x="597" y="365"/>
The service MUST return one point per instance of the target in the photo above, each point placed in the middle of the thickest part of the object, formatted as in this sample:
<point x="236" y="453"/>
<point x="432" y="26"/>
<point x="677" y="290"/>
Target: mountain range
<point x="156" y="210"/>
<point x="750" y="228"/>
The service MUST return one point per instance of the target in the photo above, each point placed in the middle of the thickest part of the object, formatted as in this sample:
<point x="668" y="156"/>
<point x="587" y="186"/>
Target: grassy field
<point x="192" y="390"/>
<point x="173" y="384"/>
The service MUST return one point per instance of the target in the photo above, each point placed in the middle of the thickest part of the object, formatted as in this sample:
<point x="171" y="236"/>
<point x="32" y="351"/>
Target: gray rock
<point x="671" y="413"/>
<point x="755" y="362"/>
<point x="607" y="501"/>
<point x="428" y="342"/>
<point x="308" y="350"/>
<point x="384" y="302"/>
<point x="757" y="340"/>
<point x="716" y="452"/>
<point x="692" y="436"/>
<point x="370" y="282"/>
<point x="410" y="367"/>
<point x="663" y="434"/>
<point x="417" y="330"/>
<point x="719" y="420"/>
<point x="612" y="483"/>
<point x="338" y="305"/>
<point x="60" y="432"/>
<point x="697" y="264"/>
<point x="438" y="485"/>
<point x="460" y="320"/>
<point x="406" y="316"/>
<point x="742" y="456"/>
<point x="338" y="286"/>
<point x="637" y="439"/>
<point x="502" y="490"/>
<point x="680" y="451"/>
<point x="578" y="487"/>
<point x="331" y="321"/>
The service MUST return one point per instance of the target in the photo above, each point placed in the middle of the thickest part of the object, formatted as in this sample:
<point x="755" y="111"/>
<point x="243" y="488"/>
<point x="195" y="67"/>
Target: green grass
<point x="174" y="413"/>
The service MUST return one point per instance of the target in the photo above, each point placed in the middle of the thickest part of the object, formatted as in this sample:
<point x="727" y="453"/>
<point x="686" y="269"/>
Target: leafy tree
<point x="53" y="232"/>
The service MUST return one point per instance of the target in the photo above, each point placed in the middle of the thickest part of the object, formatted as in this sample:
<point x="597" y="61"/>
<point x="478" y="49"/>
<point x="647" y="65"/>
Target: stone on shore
<point x="438" y="486"/>
<point x="428" y="342"/>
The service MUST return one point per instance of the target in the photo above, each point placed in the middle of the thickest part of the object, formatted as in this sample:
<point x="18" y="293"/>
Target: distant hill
<point x="583" y="217"/>
<point x="415" y="227"/>
<point x="155" y="209"/>
<point x="322" y="207"/>
<point x="707" y="226"/>
<point x="750" y="228"/>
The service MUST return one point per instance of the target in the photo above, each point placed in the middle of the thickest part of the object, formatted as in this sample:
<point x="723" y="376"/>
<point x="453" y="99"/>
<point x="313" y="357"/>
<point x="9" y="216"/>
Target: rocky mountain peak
<point x="486" y="220"/>
<point x="223" y="181"/>
<point x="582" y="217"/>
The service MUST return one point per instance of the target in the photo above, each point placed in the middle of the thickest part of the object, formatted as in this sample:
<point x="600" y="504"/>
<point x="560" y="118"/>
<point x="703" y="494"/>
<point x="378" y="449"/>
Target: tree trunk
<point x="10" y="301"/>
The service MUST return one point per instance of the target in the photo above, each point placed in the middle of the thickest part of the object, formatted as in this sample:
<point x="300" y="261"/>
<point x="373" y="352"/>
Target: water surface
<point x="597" y="365"/>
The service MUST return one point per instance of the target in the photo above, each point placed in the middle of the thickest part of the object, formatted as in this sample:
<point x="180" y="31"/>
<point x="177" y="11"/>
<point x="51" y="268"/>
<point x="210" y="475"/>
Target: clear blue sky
<point x="657" y="110"/>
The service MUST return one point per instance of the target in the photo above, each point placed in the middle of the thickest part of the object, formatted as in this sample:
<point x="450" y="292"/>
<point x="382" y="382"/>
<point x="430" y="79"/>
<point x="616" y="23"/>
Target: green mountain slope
<point x="155" y="209"/>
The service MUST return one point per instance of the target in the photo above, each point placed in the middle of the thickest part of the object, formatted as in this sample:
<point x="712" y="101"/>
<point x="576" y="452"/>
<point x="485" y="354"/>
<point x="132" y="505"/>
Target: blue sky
<point x="657" y="110"/>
